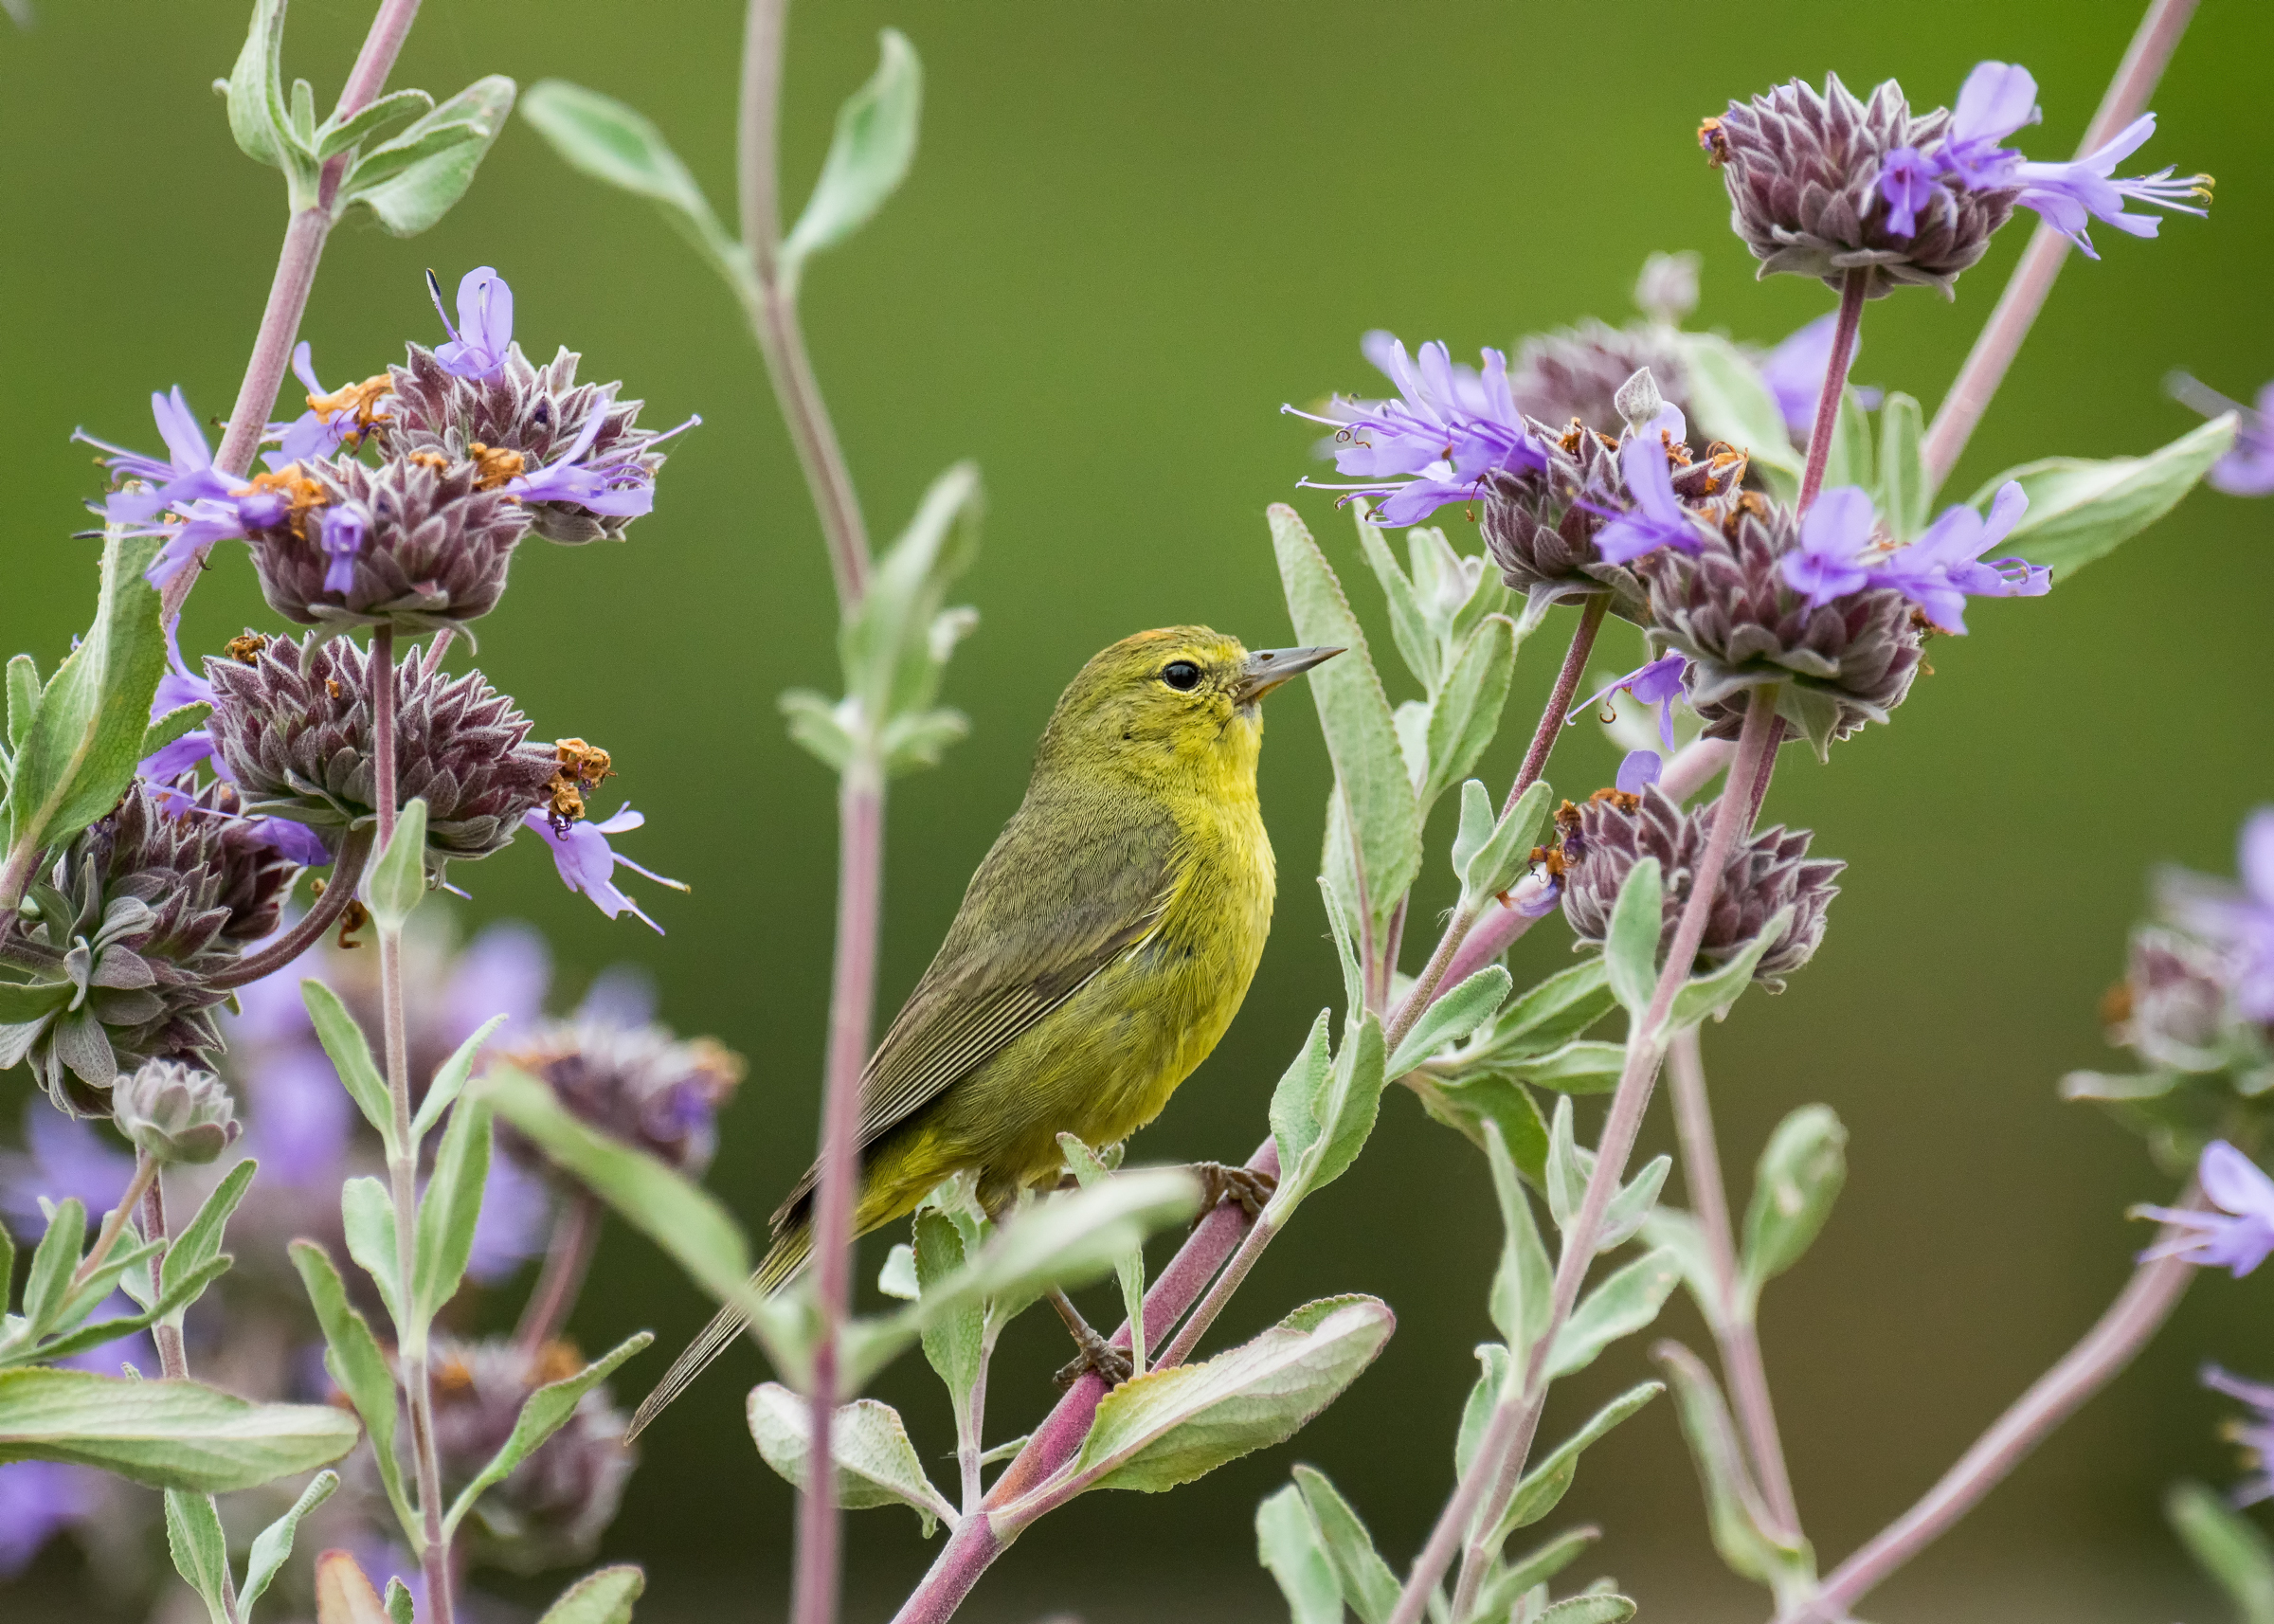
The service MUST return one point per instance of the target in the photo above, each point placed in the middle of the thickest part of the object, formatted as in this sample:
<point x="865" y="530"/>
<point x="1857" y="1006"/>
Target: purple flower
<point x="1657" y="518"/>
<point x="302" y="1121"/>
<point x="1943" y="568"/>
<point x="1996" y="100"/>
<point x="180" y="686"/>
<point x="587" y="862"/>
<point x="1658" y="683"/>
<point x="2067" y="194"/>
<point x="618" y="485"/>
<point x="2240" y="923"/>
<point x="1835" y="547"/>
<point x="485" y="324"/>
<point x="2249" y="469"/>
<point x="1907" y="181"/>
<point x="1794" y="373"/>
<point x="1449" y="428"/>
<point x="2240" y="1234"/>
<point x="63" y="1156"/>
<point x="39" y="1498"/>
<point x="2256" y="1434"/>
<point x="313" y="433"/>
<point x="1637" y="768"/>
<point x="204" y="503"/>
<point x="341" y="532"/>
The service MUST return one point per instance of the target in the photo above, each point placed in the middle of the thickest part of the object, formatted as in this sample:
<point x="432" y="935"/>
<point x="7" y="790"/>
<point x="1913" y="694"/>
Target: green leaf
<point x="2228" y="1547"/>
<point x="1581" y="1068"/>
<point x="1631" y="1208"/>
<point x="398" y="880"/>
<point x="1346" y="1109"/>
<point x="1589" y="1610"/>
<point x="1801" y="1170"/>
<point x="1622" y="1305"/>
<point x="411" y="182"/>
<point x="1476" y="1414"/>
<point x="1551" y="1013"/>
<point x="1342" y="915"/>
<point x="876" y="1465"/>
<point x="1525" y="1280"/>
<point x="450" y="1208"/>
<point x="897" y="1278"/>
<point x="1568" y="1168"/>
<point x="49" y="1284"/>
<point x="1740" y="1524"/>
<point x="892" y="662"/>
<point x="169" y="1435"/>
<point x="120" y="1272"/>
<point x="954" y="1344"/>
<point x="1729" y="400"/>
<point x="1850" y="463"/>
<point x="1502" y="860"/>
<point x="200" y="1241"/>
<point x="1905" y="487"/>
<point x="25" y="1003"/>
<point x="1475" y="826"/>
<point x="1499" y="1593"/>
<point x="351" y="1056"/>
<point x="1455" y="1014"/>
<point x="1631" y="947"/>
<point x="1466" y="713"/>
<point x="23" y="697"/>
<point x="272" y="1545"/>
<point x="172" y="726"/>
<point x="338" y="134"/>
<point x="85" y="735"/>
<point x="356" y="1364"/>
<point x="1417" y="640"/>
<point x="1715" y="992"/>
<point x="450" y="1079"/>
<point x="258" y="116"/>
<point x="1354" y="713"/>
<point x="2082" y="509"/>
<point x="601" y="1597"/>
<point x="200" y="1549"/>
<point x="1289" y="1546"/>
<point x="1671" y="1229"/>
<point x="1468" y="1103"/>
<point x="401" y="1609"/>
<point x="676" y="1214"/>
<point x="876" y="141"/>
<point x="367" y="1214"/>
<point x="617" y="146"/>
<point x="1295" y="1112"/>
<point x="1130" y="1267"/>
<point x="543" y="1414"/>
<point x="1541" y="1488"/>
<point x="822" y="727"/>
<point x="1170" y="1426"/>
<point x="1365" y="1579"/>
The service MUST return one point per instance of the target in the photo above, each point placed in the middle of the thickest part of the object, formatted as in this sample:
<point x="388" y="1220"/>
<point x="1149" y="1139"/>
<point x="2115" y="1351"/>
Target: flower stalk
<point x="2027" y="290"/>
<point x="146" y="1172"/>
<point x="173" y="1360"/>
<point x="568" y="1256"/>
<point x="1852" y="289"/>
<point x="305" y="932"/>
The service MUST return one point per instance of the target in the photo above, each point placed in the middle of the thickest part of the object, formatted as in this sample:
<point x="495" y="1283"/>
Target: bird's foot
<point x="1111" y="1364"/>
<point x="1250" y="1188"/>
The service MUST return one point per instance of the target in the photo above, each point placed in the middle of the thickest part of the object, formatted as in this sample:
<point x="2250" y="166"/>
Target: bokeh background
<point x="1131" y="232"/>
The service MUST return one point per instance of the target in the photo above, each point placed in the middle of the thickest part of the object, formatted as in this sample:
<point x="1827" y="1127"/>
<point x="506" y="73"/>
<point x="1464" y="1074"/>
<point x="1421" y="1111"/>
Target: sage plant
<point x="1776" y="531"/>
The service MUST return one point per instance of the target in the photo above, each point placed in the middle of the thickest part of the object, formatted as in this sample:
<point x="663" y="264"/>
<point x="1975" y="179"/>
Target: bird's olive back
<point x="1160" y="704"/>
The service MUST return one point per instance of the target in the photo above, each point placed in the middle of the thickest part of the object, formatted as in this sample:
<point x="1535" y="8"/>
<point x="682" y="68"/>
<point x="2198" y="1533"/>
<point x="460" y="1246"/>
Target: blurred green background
<point x="1131" y="232"/>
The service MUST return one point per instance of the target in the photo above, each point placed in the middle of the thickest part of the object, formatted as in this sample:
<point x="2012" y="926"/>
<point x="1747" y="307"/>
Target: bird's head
<point x="1182" y="701"/>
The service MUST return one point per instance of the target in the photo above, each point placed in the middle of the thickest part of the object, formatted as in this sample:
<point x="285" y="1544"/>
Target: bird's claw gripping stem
<point x="1110" y="1363"/>
<point x="1247" y="1186"/>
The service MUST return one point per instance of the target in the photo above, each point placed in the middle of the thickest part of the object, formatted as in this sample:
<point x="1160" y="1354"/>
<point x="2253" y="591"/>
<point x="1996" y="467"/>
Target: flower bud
<point x="174" y="1113"/>
<point x="1666" y="290"/>
<point x="1612" y="831"/>
<point x="2172" y="1007"/>
<point x="1802" y="168"/>
<point x="293" y="729"/>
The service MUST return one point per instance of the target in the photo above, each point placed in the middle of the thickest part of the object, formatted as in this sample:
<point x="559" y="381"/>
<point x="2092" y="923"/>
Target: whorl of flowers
<point x="1611" y="830"/>
<point x="638" y="1083"/>
<point x="1578" y="372"/>
<point x="293" y="729"/>
<point x="122" y="933"/>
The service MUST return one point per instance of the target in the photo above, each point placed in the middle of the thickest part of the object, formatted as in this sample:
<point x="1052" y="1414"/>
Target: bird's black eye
<point x="1181" y="674"/>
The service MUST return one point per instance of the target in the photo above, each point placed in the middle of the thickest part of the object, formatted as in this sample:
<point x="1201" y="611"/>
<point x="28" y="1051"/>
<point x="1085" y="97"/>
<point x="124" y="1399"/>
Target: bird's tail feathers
<point x="782" y="1261"/>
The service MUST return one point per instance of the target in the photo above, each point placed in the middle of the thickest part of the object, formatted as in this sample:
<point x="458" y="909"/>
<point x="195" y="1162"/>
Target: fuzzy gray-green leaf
<point x="1799" y="1176"/>
<point x="411" y="182"/>
<point x="1905" y="487"/>
<point x="1622" y="1305"/>
<point x="351" y="1056"/>
<point x="272" y="1545"/>
<point x="1455" y="1014"/>
<point x="356" y="1364"/>
<point x="1466" y="713"/>
<point x="543" y="1414"/>
<point x="1630" y="944"/>
<point x="1289" y="1546"/>
<point x="868" y="155"/>
<point x="601" y="1597"/>
<point x="200" y="1549"/>
<point x="2081" y="510"/>
<point x="169" y="1435"/>
<point x="1543" y="1485"/>
<point x="1365" y="1581"/>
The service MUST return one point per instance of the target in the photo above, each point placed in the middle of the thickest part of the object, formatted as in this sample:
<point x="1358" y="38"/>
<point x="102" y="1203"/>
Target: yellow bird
<point x="1101" y="951"/>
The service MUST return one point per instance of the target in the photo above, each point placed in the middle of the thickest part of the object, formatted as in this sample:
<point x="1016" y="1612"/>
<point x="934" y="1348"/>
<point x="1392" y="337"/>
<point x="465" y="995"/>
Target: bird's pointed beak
<point x="1269" y="667"/>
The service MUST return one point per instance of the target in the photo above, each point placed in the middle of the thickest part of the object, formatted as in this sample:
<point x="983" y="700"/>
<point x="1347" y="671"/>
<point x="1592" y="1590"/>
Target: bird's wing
<point x="1071" y="884"/>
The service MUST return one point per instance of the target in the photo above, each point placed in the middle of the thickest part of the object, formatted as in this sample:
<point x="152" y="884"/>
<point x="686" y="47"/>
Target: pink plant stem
<point x="173" y="1360"/>
<point x="2031" y="283"/>
<point x="305" y="932"/>
<point x="978" y="1540"/>
<point x="1732" y="1328"/>
<point x="288" y="291"/>
<point x="1852" y="288"/>
<point x="2140" y="1310"/>
<point x="146" y="1172"/>
<point x="1482" y="1495"/>
<point x="567" y="1257"/>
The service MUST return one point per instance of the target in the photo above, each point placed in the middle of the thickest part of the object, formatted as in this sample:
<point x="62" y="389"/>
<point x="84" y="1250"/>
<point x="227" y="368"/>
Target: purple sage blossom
<point x="618" y="485"/>
<point x="341" y="532"/>
<point x="1943" y="568"/>
<point x="37" y="1500"/>
<point x="1907" y="181"/>
<point x="184" y="498"/>
<point x="1657" y="518"/>
<point x="485" y="324"/>
<point x="313" y="433"/>
<point x="180" y="686"/>
<point x="2066" y="195"/>
<point x="2256" y="1434"/>
<point x="2239" y="1233"/>
<point x="1835" y="547"/>
<point x="2248" y="470"/>
<point x="2238" y="922"/>
<point x="1794" y="373"/>
<point x="1996" y="100"/>
<point x="587" y="862"/>
<point x="1449" y="429"/>
<point x="1637" y="768"/>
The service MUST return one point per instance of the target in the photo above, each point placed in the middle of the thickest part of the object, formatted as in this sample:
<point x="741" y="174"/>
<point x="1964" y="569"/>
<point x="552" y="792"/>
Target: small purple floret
<point x="587" y="862"/>
<point x="485" y="324"/>
<point x="2239" y="1234"/>
<point x="1657" y="518"/>
<point x="1907" y="181"/>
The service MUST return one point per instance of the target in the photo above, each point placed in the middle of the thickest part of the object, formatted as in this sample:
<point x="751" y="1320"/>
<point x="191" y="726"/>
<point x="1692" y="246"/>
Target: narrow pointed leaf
<point x="1476" y="1412"/>
<point x="1543" y="1485"/>
<point x="351" y="1056"/>
<point x="1466" y="713"/>
<point x="1735" y="1516"/>
<point x="356" y="1364"/>
<point x="1455" y="1014"/>
<point x="1408" y="627"/>
<point x="1538" y="1566"/>
<point x="398" y="880"/>
<point x="1519" y="1299"/>
<point x="602" y="1598"/>
<point x="1801" y="1170"/>
<point x="23" y="697"/>
<point x="367" y="1218"/>
<point x="412" y="181"/>
<point x="1589" y="1610"/>
<point x="1295" y="1112"/>
<point x="543" y="1414"/>
<point x="1715" y="992"/>
<point x="2228" y="1547"/>
<point x="869" y="156"/>
<point x="954" y="1343"/>
<point x="169" y="1435"/>
<point x="272" y="1545"/>
<point x="200" y="1239"/>
<point x="1631" y="945"/>
<point x="200" y="1549"/>
<point x="48" y="1285"/>
<point x="1289" y="1546"/>
<point x="2081" y="510"/>
<point x="1500" y="862"/>
<point x="1622" y="1305"/>
<point x="1365" y="1581"/>
<point x="450" y="1079"/>
<point x="876" y="1465"/>
<point x="1905" y="488"/>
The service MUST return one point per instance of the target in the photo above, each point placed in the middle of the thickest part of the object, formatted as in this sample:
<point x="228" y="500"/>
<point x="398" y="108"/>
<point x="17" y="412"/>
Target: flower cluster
<point x="1822" y="183"/>
<point x="634" y="1080"/>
